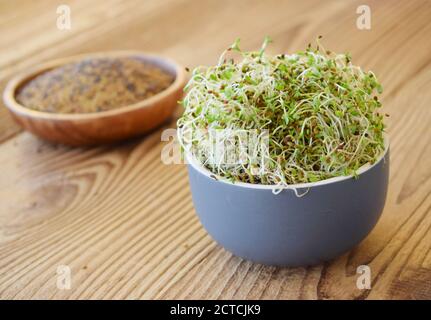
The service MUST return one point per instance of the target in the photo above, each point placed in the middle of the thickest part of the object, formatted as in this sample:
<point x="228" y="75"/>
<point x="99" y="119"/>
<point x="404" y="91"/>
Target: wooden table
<point x="124" y="222"/>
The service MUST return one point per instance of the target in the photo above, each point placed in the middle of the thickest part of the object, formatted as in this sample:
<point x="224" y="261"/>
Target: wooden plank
<point x="124" y="222"/>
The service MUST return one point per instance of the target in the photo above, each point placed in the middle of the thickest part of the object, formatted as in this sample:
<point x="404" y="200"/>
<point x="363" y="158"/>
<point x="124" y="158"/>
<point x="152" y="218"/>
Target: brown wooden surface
<point x="124" y="222"/>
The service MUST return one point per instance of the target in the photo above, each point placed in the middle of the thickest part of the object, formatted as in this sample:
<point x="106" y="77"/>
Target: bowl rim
<point x="9" y="94"/>
<point x="366" y="167"/>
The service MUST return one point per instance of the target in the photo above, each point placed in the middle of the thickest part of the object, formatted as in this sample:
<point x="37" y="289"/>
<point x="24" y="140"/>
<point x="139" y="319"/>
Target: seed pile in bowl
<point x="94" y="85"/>
<point x="319" y="109"/>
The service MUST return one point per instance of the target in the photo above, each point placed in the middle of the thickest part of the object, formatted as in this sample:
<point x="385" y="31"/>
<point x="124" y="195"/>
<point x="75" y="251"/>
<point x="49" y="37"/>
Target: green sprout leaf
<point x="319" y="109"/>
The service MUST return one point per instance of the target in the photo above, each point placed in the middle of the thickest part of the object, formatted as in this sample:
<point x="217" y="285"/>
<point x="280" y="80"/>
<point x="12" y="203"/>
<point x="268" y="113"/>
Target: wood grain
<point x="124" y="222"/>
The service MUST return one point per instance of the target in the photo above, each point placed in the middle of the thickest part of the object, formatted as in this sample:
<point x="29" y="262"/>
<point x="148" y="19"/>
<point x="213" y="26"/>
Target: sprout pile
<point x="319" y="110"/>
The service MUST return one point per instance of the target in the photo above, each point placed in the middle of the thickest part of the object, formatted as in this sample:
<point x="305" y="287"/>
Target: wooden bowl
<point x="79" y="129"/>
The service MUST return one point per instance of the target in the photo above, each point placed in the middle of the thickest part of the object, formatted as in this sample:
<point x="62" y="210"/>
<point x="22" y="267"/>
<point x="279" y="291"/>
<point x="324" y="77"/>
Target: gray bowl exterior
<point x="284" y="230"/>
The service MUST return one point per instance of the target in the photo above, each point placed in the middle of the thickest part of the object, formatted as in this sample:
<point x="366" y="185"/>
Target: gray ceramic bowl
<point x="286" y="230"/>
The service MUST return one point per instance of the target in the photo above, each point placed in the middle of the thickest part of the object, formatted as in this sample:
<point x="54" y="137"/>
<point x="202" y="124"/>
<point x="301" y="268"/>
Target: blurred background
<point x="196" y="32"/>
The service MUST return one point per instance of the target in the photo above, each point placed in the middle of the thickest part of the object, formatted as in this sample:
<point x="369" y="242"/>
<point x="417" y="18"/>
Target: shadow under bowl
<point x="83" y="129"/>
<point x="284" y="229"/>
